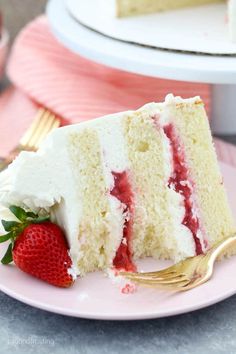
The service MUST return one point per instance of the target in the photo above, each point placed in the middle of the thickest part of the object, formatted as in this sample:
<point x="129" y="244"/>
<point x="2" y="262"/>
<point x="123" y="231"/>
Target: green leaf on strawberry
<point x="6" y="237"/>
<point x="22" y="215"/>
<point x="19" y="212"/>
<point x="8" y="255"/>
<point x="10" y="225"/>
<point x="37" y="247"/>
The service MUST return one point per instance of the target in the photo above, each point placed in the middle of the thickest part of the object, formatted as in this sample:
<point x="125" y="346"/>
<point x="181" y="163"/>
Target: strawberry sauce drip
<point x="179" y="181"/>
<point x="122" y="191"/>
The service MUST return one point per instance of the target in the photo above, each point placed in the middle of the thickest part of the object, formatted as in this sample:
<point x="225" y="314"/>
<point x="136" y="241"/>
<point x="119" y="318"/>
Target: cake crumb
<point x="129" y="288"/>
<point x="125" y="286"/>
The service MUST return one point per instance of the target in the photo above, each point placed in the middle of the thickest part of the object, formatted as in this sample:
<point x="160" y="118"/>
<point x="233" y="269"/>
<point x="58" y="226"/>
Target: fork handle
<point x="3" y="164"/>
<point x="222" y="247"/>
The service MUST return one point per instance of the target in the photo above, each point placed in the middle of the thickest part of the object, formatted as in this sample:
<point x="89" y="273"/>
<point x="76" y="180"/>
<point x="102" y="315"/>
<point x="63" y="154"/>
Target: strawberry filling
<point x="122" y="191"/>
<point x="179" y="181"/>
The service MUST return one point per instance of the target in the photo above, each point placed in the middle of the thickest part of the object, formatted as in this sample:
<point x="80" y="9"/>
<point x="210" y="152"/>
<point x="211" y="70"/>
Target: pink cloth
<point x="16" y="114"/>
<point x="46" y="73"/>
<point x="77" y="88"/>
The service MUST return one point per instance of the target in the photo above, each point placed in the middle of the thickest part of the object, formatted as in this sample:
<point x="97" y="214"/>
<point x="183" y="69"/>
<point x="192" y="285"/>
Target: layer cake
<point x="129" y="185"/>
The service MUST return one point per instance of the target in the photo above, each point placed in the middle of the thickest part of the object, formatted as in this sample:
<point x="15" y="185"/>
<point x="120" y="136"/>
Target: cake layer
<point x="94" y="227"/>
<point x="139" y="7"/>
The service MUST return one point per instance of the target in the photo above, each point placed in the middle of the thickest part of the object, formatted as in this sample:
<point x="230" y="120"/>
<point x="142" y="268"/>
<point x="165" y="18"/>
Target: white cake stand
<point x="220" y="71"/>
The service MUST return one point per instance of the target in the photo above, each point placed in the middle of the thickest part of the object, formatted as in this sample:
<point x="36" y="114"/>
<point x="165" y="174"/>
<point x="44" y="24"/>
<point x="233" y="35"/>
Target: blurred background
<point x="17" y="13"/>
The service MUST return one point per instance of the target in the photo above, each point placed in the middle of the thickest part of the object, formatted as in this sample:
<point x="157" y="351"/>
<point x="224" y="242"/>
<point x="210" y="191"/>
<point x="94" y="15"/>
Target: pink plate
<point x="96" y="297"/>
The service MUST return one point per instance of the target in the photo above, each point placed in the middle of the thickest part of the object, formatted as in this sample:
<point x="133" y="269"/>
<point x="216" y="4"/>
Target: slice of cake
<point x="124" y="8"/>
<point x="129" y="185"/>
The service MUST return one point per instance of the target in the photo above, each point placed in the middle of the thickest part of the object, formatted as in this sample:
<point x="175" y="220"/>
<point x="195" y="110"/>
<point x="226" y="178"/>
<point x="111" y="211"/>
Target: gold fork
<point x="186" y="274"/>
<point x="43" y="123"/>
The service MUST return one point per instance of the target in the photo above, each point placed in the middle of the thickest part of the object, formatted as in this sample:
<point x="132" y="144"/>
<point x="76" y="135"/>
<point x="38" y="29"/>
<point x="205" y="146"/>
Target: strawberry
<point x="38" y="247"/>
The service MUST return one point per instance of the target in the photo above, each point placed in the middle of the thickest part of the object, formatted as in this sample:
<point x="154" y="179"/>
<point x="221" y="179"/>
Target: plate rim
<point x="112" y="316"/>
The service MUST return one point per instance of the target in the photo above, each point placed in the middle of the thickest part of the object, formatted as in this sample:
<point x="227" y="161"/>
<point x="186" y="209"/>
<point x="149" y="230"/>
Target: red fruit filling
<point x="179" y="181"/>
<point x="122" y="191"/>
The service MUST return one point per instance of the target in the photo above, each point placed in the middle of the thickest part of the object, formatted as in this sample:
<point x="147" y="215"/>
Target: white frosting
<point x="162" y="108"/>
<point x="73" y="271"/>
<point x="114" y="160"/>
<point x="40" y="180"/>
<point x="232" y="19"/>
<point x="182" y="234"/>
<point x="173" y="100"/>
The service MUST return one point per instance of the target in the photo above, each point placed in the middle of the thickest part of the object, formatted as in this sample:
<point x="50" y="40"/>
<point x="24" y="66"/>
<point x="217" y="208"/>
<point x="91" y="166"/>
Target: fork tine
<point x="25" y="138"/>
<point x="39" y="130"/>
<point x="51" y="123"/>
<point x="161" y="273"/>
<point x="43" y="122"/>
<point x="185" y="275"/>
<point x="177" y="285"/>
<point x="56" y="123"/>
<point x="153" y="276"/>
<point x="176" y="280"/>
<point x="153" y="281"/>
<point x="165" y="271"/>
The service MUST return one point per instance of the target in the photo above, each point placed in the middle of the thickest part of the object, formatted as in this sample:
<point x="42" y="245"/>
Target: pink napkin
<point x="46" y="73"/>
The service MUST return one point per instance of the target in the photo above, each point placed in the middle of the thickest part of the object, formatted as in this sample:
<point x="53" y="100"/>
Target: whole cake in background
<point x="129" y="185"/>
<point x="124" y="8"/>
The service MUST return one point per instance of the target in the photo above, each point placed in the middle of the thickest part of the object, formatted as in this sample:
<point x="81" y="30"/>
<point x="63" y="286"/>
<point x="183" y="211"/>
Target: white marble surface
<point x="27" y="330"/>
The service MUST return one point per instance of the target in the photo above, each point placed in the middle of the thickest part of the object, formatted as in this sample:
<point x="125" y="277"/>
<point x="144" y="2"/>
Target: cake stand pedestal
<point x="220" y="71"/>
<point x="223" y="109"/>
